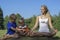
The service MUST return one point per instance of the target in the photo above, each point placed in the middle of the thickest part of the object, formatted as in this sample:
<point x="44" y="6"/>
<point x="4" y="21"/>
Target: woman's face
<point x="43" y="10"/>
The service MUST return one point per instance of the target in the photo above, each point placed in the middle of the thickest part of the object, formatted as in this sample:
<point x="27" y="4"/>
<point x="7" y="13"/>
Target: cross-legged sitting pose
<point x="45" y="24"/>
<point x="11" y="28"/>
<point x="22" y="28"/>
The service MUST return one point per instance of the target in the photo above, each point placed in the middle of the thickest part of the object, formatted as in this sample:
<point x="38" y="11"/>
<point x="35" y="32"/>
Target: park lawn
<point x="58" y="34"/>
<point x="2" y="32"/>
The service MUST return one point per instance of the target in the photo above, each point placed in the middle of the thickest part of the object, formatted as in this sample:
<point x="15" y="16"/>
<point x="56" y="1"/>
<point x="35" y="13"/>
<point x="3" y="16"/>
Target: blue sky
<point x="28" y="8"/>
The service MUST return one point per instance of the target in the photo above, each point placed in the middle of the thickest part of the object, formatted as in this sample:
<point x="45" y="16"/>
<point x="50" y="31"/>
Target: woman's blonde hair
<point x="47" y="11"/>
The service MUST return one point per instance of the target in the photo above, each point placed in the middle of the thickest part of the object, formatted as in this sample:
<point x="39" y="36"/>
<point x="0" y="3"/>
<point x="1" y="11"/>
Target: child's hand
<point x="19" y="29"/>
<point x="23" y="30"/>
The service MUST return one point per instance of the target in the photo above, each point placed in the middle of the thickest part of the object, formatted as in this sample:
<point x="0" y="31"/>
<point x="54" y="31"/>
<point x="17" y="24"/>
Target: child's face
<point x="21" y="23"/>
<point x="13" y="20"/>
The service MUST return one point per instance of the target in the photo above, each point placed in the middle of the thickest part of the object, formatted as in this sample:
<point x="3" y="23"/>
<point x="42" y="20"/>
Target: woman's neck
<point x="44" y="14"/>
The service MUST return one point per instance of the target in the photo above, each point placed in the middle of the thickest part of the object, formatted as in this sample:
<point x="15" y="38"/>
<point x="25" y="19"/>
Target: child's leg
<point x="7" y="36"/>
<point x="15" y="35"/>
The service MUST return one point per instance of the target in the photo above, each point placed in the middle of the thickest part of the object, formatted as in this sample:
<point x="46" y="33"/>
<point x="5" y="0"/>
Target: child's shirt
<point x="9" y="25"/>
<point x="22" y="27"/>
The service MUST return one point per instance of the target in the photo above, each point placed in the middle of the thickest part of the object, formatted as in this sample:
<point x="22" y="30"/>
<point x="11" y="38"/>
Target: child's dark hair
<point x="22" y="18"/>
<point x="12" y="16"/>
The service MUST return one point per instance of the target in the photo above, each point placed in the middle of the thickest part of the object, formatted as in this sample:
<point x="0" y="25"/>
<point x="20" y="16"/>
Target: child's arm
<point x="18" y="29"/>
<point x="13" y="28"/>
<point x="9" y="26"/>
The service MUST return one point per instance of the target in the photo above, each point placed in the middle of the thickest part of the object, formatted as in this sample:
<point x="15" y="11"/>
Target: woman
<point x="44" y="23"/>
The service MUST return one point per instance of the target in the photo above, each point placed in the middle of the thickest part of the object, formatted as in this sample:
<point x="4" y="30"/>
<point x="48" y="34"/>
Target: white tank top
<point x="43" y="25"/>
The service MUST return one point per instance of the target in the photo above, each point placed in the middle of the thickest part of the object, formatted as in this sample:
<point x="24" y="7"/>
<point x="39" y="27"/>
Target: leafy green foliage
<point x="6" y="19"/>
<point x="18" y="17"/>
<point x="1" y="19"/>
<point x="31" y="21"/>
<point x="56" y="21"/>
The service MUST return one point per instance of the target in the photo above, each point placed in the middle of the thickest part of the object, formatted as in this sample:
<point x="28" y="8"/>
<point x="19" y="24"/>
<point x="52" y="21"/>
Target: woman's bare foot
<point x="56" y="30"/>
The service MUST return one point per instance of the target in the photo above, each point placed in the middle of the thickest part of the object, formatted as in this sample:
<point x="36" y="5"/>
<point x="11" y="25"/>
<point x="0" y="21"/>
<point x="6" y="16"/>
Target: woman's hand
<point x="32" y="30"/>
<point x="56" y="30"/>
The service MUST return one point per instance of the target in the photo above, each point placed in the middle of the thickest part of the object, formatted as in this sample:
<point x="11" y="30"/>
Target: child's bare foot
<point x="1" y="39"/>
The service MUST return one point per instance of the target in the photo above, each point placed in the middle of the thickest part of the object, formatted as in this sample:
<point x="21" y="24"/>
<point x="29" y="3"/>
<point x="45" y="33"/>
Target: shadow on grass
<point x="35" y="38"/>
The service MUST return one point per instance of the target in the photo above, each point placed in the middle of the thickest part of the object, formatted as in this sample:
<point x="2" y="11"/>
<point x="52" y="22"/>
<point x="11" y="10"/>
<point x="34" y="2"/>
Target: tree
<point x="30" y="21"/>
<point x="6" y="19"/>
<point x="18" y="17"/>
<point x="33" y="20"/>
<point x="56" y="21"/>
<point x="1" y="19"/>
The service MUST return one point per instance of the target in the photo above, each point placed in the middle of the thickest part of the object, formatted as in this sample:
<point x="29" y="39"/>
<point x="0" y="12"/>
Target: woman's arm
<point x="36" y="24"/>
<point x="50" y="24"/>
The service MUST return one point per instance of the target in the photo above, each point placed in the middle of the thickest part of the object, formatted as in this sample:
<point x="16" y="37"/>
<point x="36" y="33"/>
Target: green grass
<point x="58" y="34"/>
<point x="2" y="32"/>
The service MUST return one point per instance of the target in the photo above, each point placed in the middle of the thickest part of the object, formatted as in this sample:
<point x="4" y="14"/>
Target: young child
<point x="22" y="28"/>
<point x="11" y="27"/>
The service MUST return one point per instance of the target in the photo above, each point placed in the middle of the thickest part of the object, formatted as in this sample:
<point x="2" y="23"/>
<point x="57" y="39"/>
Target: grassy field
<point x="2" y="32"/>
